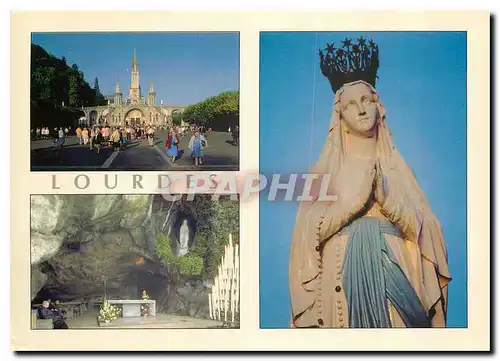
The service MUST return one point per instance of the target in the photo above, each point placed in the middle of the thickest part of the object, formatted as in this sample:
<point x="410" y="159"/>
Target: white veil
<point x="405" y="206"/>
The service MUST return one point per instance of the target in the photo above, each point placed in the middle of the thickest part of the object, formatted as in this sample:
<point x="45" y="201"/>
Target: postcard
<point x="250" y="181"/>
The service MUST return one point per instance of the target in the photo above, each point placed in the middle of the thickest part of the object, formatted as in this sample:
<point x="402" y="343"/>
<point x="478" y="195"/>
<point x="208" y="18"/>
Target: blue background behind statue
<point x="422" y="84"/>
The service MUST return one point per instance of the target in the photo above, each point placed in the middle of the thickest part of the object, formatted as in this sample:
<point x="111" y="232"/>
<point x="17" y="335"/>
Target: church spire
<point x="118" y="94"/>
<point x="135" y="88"/>
<point x="151" y="95"/>
<point x="134" y="60"/>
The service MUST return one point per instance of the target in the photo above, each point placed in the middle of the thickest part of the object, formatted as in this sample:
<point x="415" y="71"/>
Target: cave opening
<point x="129" y="284"/>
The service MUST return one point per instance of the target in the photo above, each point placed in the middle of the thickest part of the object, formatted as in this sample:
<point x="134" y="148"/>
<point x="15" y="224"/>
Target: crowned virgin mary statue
<point x="376" y="257"/>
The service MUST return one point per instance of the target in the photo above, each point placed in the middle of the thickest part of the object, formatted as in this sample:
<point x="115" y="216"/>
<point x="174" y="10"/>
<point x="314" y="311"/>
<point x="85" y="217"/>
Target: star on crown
<point x="350" y="62"/>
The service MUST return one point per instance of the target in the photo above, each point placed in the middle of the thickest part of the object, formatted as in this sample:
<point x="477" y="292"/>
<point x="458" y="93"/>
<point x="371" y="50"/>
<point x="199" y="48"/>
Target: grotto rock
<point x="135" y="210"/>
<point x="45" y="211"/>
<point x="104" y="204"/>
<point x="44" y="246"/>
<point x="38" y="279"/>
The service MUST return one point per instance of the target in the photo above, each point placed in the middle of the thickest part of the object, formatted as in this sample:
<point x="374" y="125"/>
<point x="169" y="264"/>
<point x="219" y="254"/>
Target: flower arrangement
<point x="108" y="312"/>
<point x="145" y="307"/>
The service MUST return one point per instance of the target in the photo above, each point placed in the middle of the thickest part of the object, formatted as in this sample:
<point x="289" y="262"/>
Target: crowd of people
<point x="99" y="136"/>
<point x="117" y="137"/>
<point x="44" y="132"/>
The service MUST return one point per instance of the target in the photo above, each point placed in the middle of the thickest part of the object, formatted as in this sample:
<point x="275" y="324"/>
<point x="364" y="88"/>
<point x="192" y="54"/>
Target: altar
<point x="132" y="308"/>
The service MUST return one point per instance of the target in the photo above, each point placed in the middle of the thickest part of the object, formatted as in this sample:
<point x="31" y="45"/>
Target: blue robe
<point x="197" y="148"/>
<point x="173" y="151"/>
<point x="372" y="276"/>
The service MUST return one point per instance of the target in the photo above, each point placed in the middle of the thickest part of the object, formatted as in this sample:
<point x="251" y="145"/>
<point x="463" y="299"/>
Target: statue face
<point x="358" y="109"/>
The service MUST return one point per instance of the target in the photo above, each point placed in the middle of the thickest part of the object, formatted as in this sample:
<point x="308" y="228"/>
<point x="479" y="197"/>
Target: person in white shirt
<point x="197" y="145"/>
<point x="151" y="136"/>
<point x="61" y="137"/>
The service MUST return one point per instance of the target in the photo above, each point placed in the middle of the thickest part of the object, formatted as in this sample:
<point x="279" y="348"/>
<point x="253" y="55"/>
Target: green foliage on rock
<point x="164" y="249"/>
<point x="188" y="265"/>
<point x="218" y="112"/>
<point x="216" y="219"/>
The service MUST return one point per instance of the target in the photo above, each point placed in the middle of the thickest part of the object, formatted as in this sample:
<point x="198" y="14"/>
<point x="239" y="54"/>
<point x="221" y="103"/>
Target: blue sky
<point x="422" y="83"/>
<point x="185" y="67"/>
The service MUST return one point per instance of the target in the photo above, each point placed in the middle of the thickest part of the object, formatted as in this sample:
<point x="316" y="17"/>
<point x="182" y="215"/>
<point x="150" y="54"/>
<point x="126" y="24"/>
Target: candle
<point x="225" y="310"/>
<point x="224" y="299"/>
<point x="210" y="306"/>
<point x="237" y="276"/>
<point x="218" y="307"/>
<point x="218" y="299"/>
<point x="230" y="257"/>
<point x="233" y="307"/>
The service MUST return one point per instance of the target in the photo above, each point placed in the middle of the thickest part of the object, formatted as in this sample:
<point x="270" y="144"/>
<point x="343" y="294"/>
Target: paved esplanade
<point x="137" y="155"/>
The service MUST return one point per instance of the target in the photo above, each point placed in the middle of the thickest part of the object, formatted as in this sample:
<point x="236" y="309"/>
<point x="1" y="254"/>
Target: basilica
<point x="136" y="109"/>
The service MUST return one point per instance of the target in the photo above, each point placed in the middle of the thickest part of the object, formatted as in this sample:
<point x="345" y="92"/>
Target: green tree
<point x="43" y="83"/>
<point x="218" y="112"/>
<point x="99" y="98"/>
<point x="54" y="82"/>
<point x="177" y="118"/>
<point x="73" y="96"/>
<point x="96" y="87"/>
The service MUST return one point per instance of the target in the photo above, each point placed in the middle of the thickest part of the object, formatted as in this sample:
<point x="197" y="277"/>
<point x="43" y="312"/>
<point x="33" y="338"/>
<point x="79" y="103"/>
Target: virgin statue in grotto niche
<point x="376" y="257"/>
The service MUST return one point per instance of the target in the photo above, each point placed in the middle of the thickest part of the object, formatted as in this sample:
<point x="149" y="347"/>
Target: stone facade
<point x="134" y="110"/>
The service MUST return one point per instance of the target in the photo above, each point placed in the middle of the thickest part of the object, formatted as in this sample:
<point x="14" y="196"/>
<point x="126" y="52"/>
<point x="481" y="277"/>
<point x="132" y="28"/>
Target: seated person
<point x="52" y="306"/>
<point x="58" y="308"/>
<point x="44" y="312"/>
